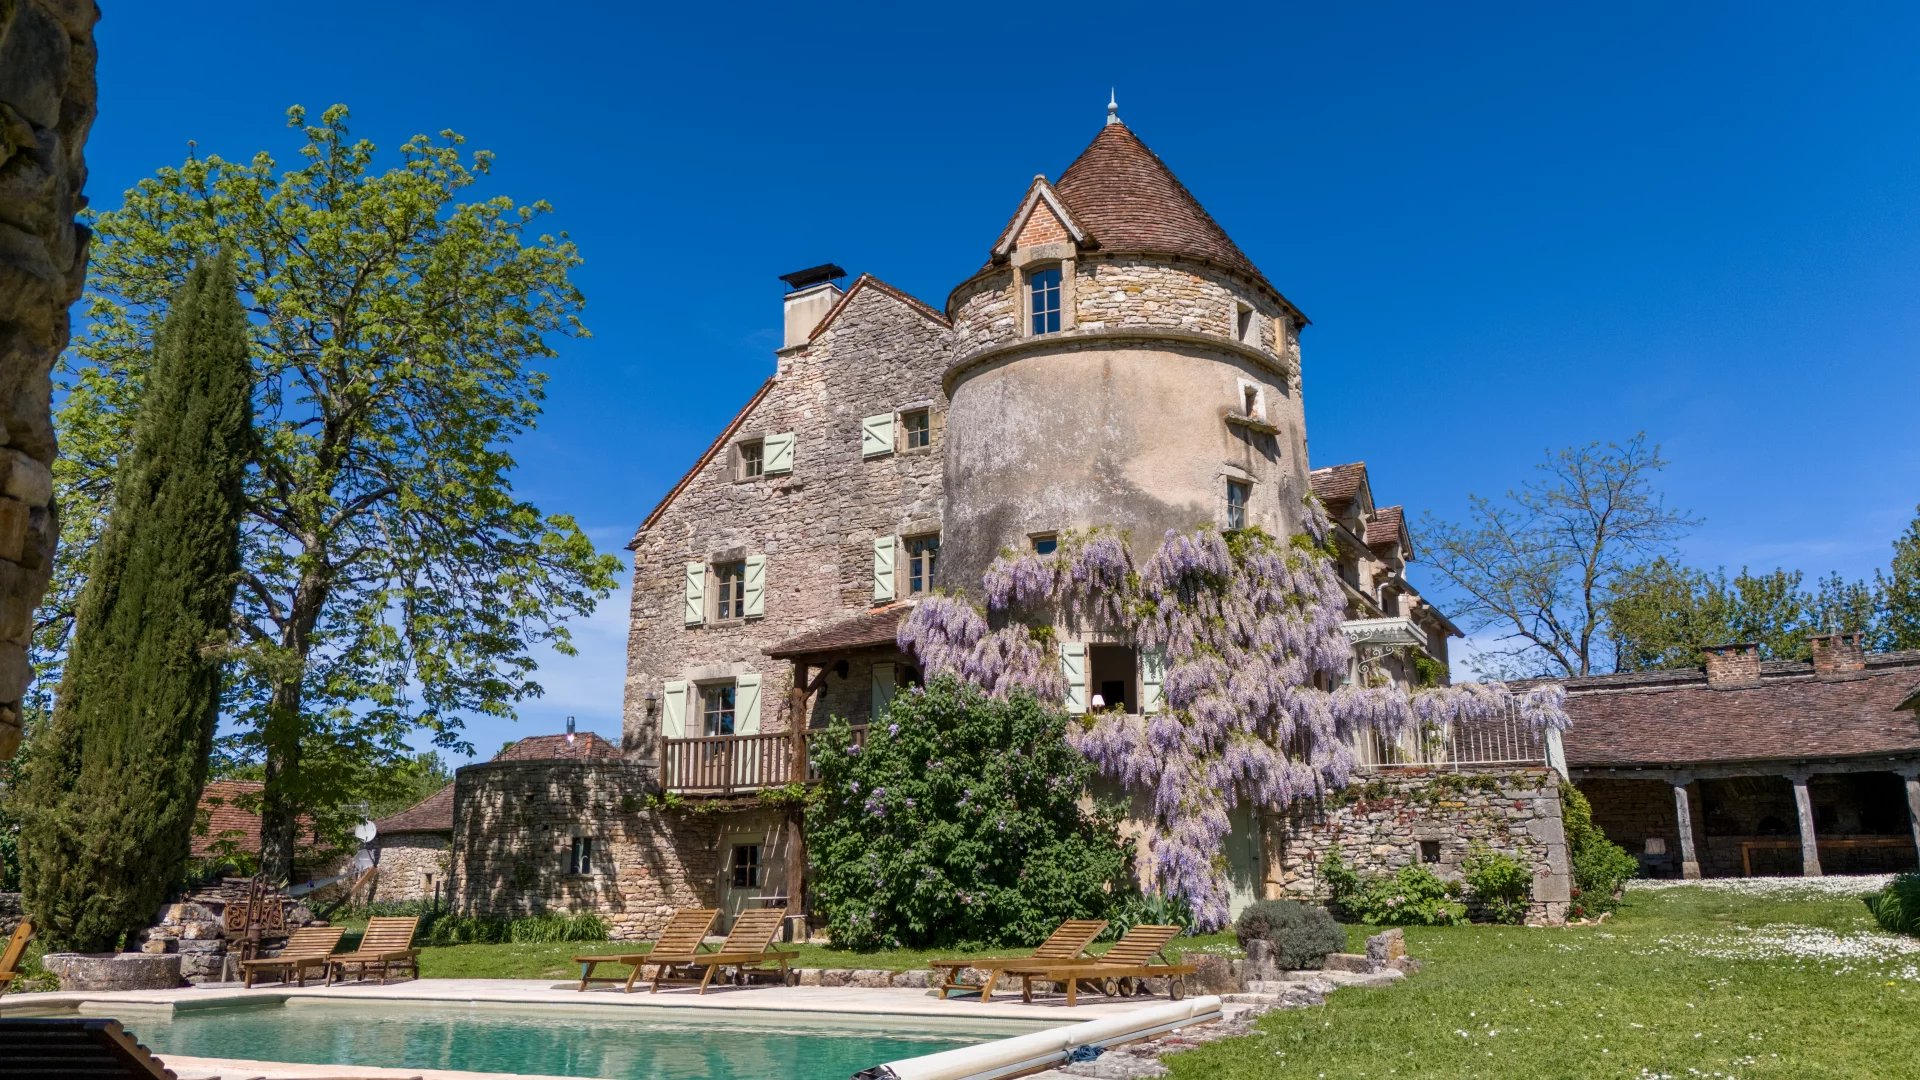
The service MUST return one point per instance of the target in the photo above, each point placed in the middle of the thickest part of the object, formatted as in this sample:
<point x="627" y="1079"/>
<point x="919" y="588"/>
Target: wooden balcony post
<point x="797" y="722"/>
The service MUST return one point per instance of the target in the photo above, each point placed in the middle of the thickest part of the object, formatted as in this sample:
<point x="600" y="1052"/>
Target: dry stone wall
<point x="46" y="108"/>
<point x="1381" y="824"/>
<point x="413" y="866"/>
<point x="816" y="526"/>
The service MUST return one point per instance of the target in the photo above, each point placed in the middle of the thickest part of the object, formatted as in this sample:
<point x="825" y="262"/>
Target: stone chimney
<point x="811" y="294"/>
<point x="1838" y="657"/>
<point x="1733" y="666"/>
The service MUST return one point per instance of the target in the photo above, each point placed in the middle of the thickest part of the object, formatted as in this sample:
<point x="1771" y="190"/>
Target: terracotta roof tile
<point x="431" y="814"/>
<point x="1337" y="485"/>
<point x="1388" y="526"/>
<point x="586" y="746"/>
<point x="1124" y="195"/>
<point x="872" y="629"/>
<point x="1674" y="718"/>
<point x="227" y="820"/>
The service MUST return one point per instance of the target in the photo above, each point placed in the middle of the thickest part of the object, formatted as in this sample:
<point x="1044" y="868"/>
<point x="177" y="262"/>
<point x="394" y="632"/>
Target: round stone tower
<point x="1118" y="361"/>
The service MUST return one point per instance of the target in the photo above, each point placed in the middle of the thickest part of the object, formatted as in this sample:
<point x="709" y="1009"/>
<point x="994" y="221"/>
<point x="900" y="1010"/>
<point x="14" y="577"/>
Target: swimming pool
<point x="607" y="1042"/>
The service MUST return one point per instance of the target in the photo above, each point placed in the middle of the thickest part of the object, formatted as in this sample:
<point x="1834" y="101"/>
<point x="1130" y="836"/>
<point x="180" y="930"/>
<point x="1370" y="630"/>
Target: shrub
<point x="1897" y="907"/>
<point x="442" y="929"/>
<point x="1601" y="868"/>
<point x="1302" y="936"/>
<point x="1415" y="896"/>
<point x="1157" y="909"/>
<point x="959" y="824"/>
<point x="1501" y="884"/>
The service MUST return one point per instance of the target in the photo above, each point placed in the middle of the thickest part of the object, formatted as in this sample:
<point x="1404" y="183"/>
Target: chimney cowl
<point x="1838" y="657"/>
<point x="1734" y="665"/>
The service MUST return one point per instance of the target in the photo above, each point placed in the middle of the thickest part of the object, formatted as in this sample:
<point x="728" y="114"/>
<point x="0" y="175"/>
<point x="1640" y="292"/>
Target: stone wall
<point x="413" y="866"/>
<point x="514" y="823"/>
<point x="11" y="912"/>
<point x="46" y="108"/>
<point x="881" y="353"/>
<point x="1379" y="824"/>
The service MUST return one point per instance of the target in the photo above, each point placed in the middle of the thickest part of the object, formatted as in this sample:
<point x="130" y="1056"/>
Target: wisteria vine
<point x="1249" y="629"/>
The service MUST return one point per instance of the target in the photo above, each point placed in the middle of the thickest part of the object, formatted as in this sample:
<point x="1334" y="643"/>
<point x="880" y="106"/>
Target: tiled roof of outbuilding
<point x="872" y="629"/>
<point x="226" y="819"/>
<point x="431" y="814"/>
<point x="1337" y="485"/>
<point x="1127" y="198"/>
<point x="1387" y="526"/>
<point x="1675" y="718"/>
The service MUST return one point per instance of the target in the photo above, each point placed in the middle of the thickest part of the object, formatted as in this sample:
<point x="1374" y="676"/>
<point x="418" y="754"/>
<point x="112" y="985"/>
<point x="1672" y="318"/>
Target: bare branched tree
<point x="1540" y="565"/>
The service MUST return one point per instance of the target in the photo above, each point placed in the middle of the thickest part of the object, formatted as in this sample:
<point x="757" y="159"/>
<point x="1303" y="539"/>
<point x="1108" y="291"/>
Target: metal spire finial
<point x="1113" y="107"/>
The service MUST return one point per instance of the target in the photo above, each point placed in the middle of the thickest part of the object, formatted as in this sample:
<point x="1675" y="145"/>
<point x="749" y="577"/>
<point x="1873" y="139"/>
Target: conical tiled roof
<point x="1127" y="198"/>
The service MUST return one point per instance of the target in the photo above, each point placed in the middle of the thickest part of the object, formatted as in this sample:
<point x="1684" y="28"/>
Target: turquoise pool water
<point x="636" y="1044"/>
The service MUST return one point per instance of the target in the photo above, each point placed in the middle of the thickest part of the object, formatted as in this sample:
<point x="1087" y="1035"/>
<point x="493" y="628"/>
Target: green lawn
<point x="1684" y="982"/>
<point x="554" y="961"/>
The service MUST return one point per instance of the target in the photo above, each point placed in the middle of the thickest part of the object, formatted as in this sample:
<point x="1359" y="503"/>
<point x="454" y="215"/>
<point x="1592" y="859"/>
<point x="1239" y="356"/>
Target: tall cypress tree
<point x="112" y="784"/>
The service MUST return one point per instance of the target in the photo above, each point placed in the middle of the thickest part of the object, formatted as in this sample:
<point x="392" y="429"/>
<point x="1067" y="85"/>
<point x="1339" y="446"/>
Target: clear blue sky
<point x="1514" y="228"/>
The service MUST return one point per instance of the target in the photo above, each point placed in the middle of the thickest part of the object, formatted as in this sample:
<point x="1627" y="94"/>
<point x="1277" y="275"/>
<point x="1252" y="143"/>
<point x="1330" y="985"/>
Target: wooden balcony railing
<point x="724" y="764"/>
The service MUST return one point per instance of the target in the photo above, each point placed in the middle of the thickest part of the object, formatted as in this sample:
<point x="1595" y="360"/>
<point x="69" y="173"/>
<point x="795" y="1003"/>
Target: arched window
<point x="1043" y="299"/>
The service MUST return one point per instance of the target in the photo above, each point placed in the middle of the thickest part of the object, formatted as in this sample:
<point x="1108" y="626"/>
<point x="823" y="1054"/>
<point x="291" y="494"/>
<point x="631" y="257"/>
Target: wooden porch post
<point x="1689" y="860"/>
<point x="1809" y="844"/>
<point x="796" y="834"/>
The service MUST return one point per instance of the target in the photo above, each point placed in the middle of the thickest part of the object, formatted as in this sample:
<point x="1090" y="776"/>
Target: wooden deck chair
<point x="749" y="945"/>
<point x="60" y="1049"/>
<point x="308" y="947"/>
<point x="15" y="951"/>
<point x="387" y="945"/>
<point x="679" y="942"/>
<point x="1068" y="941"/>
<point x="1120" y="970"/>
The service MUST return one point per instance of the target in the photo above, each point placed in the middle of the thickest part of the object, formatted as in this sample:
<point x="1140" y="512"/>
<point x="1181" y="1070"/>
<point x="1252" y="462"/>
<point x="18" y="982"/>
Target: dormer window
<point x="1043" y="299"/>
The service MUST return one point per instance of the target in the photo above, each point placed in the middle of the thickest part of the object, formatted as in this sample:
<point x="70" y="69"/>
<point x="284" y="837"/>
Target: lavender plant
<point x="1252" y="713"/>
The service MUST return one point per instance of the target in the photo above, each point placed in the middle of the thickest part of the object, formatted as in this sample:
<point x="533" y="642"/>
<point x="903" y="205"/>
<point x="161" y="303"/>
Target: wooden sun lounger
<point x="308" y="947"/>
<point x="387" y="945"/>
<point x="1067" y="942"/>
<point x="677" y="946"/>
<point x="749" y="944"/>
<point x="58" y="1049"/>
<point x="15" y="950"/>
<point x="1130" y="960"/>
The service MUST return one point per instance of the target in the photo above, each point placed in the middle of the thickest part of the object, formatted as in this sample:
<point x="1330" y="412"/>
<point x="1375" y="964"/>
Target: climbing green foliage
<point x="114" y="776"/>
<point x="1499" y="883"/>
<point x="1601" y="868"/>
<point x="959" y="823"/>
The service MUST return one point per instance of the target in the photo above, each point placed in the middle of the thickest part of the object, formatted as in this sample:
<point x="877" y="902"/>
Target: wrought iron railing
<point x="1504" y="740"/>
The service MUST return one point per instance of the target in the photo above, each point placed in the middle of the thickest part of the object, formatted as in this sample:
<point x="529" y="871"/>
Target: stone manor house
<point x="1116" y="360"/>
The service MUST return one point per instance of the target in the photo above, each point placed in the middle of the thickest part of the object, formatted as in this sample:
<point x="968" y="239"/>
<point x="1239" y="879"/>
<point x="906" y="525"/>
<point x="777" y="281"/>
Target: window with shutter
<point x="777" y="454"/>
<point x="756" y="586"/>
<point x="746" y="705"/>
<point x="1153" y="672"/>
<point x="876" y="435"/>
<point x="883" y="547"/>
<point x="1073" y="665"/>
<point x="883" y="682"/>
<point x="696" y="612"/>
<point x="673" y="724"/>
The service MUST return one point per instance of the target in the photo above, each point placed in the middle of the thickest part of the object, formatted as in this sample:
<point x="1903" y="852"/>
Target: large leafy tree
<point x="392" y="582"/>
<point x="114" y="776"/>
<point x="1540" y="566"/>
<point x="1900" y="590"/>
<point x="1663" y="614"/>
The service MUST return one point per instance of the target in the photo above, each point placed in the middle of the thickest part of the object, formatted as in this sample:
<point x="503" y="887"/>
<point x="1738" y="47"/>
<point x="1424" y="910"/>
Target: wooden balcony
<point x="732" y="764"/>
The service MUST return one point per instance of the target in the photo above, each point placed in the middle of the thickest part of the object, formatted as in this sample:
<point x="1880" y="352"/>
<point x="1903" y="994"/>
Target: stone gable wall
<point x="47" y="59"/>
<point x="1379" y="823"/>
<point x="514" y="823"/>
<point x="815" y="526"/>
<point x="411" y="866"/>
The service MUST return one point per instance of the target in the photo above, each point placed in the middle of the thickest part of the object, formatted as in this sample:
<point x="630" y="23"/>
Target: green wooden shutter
<point x="1073" y="665"/>
<point x="696" y="612"/>
<point x="883" y="676"/>
<point x="777" y="454"/>
<point x="674" y="724"/>
<point x="756" y="586"/>
<point x="1153" y="672"/>
<point x="746" y="705"/>
<point x="883" y="548"/>
<point x="876" y="435"/>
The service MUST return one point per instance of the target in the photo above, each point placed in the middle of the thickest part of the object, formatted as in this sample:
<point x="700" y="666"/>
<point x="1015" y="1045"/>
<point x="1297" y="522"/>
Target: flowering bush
<point x="959" y="824"/>
<point x="1248" y="631"/>
<point x="1415" y="896"/>
<point x="1501" y="884"/>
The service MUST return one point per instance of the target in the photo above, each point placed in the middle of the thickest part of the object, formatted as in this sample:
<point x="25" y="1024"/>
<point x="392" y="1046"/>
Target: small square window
<point x="1237" y="492"/>
<point x="730" y="590"/>
<point x="1046" y="543"/>
<point x="752" y="461"/>
<point x="917" y="428"/>
<point x="580" y="856"/>
<point x="922" y="553"/>
<point x="745" y="866"/>
<point x="1430" y="851"/>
